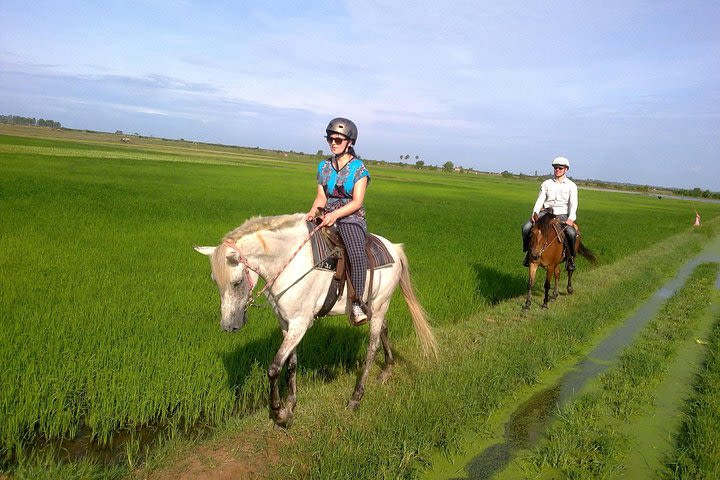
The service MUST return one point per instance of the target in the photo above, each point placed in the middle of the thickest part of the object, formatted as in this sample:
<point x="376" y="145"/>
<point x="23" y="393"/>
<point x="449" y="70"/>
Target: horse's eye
<point x="236" y="284"/>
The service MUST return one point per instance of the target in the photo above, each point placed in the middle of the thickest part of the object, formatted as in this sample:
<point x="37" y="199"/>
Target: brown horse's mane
<point x="545" y="223"/>
<point x="257" y="224"/>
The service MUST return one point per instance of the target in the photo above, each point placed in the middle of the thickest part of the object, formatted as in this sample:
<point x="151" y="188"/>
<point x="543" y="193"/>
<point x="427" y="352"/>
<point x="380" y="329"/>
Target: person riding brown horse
<point x="547" y="248"/>
<point x="561" y="195"/>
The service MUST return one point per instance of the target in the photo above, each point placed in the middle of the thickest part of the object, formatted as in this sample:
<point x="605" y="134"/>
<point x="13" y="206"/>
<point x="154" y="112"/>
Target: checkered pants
<point x="354" y="237"/>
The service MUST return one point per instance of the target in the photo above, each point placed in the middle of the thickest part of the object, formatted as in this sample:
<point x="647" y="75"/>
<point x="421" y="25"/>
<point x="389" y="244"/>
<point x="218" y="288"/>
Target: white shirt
<point x="561" y="196"/>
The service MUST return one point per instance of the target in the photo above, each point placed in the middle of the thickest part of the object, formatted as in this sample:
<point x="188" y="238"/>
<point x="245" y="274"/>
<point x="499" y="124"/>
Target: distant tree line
<point x="17" y="120"/>
<point x="696" y="192"/>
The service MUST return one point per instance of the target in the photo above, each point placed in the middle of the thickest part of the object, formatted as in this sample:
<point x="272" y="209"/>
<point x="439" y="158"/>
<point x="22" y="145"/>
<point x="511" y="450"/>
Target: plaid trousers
<point x="354" y="237"/>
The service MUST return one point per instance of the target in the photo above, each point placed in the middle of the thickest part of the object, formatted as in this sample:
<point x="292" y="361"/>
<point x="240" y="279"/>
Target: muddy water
<point x="527" y="423"/>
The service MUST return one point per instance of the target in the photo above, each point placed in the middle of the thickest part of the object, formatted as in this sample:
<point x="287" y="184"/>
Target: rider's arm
<point x="573" y="204"/>
<point x="540" y="199"/>
<point x="320" y="201"/>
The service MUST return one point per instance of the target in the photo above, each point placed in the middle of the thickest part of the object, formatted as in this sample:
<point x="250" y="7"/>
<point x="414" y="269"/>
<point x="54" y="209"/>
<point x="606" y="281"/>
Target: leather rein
<point x="557" y="237"/>
<point x="270" y="283"/>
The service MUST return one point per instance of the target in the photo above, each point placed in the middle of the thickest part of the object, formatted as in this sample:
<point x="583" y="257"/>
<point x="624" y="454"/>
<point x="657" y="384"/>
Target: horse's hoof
<point x="570" y="291"/>
<point x="526" y="307"/>
<point x="284" y="418"/>
<point x="544" y="305"/>
<point x="384" y="375"/>
<point x="353" y="405"/>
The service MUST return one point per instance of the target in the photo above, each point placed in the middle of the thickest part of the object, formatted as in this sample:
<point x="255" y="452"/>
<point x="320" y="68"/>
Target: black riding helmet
<point x="343" y="126"/>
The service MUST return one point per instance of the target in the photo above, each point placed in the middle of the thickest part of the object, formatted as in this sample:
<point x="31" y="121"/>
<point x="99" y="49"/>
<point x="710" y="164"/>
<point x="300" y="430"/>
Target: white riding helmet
<point x="561" y="161"/>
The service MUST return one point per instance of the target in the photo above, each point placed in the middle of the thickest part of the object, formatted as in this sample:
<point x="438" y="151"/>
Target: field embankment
<point x="112" y="320"/>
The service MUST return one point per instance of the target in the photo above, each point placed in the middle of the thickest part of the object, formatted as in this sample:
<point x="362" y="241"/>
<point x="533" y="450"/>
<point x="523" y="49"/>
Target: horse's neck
<point x="270" y="251"/>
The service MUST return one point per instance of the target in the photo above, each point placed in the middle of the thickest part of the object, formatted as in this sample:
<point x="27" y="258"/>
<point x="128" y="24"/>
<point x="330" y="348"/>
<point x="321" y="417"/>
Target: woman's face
<point x="338" y="143"/>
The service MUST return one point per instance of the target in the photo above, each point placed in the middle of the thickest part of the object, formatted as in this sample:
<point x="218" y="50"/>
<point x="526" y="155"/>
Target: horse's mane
<point x="545" y="222"/>
<point x="256" y="224"/>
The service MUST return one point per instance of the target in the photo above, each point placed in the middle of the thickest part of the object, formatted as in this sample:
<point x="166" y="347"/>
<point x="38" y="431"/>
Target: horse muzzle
<point x="233" y="316"/>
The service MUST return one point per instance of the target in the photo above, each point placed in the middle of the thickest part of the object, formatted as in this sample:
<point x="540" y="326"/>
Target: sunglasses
<point x="335" y="140"/>
<point x="558" y="167"/>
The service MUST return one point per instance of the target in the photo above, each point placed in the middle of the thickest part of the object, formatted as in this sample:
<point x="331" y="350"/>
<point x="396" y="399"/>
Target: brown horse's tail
<point x="419" y="315"/>
<point x="587" y="253"/>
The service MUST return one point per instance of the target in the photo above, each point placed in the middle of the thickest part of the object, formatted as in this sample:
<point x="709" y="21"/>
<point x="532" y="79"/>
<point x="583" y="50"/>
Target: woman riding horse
<point x="342" y="180"/>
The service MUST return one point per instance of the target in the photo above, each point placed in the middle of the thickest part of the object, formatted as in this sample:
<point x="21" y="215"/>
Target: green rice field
<point x="110" y="320"/>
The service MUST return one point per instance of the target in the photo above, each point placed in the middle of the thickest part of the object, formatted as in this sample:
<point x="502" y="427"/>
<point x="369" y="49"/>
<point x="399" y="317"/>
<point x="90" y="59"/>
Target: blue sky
<point x="628" y="90"/>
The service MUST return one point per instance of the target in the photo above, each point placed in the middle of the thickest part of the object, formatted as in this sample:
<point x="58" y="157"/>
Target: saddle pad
<point x="378" y="255"/>
<point x="559" y="231"/>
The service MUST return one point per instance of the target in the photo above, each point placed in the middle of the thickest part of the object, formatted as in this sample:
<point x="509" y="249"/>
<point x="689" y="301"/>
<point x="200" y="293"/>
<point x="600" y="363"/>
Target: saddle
<point x="560" y="233"/>
<point x="329" y="254"/>
<point x="559" y="230"/>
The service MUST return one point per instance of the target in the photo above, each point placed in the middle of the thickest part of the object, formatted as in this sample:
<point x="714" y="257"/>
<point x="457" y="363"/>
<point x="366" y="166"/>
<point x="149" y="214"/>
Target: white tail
<point x="419" y="315"/>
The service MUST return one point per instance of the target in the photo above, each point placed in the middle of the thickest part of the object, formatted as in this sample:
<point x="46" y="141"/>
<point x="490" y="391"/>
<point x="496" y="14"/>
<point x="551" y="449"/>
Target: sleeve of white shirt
<point x="541" y="199"/>
<point x="573" y="204"/>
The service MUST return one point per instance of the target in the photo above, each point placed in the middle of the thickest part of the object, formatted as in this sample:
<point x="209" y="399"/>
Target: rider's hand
<point x="571" y="223"/>
<point x="329" y="219"/>
<point x="310" y="216"/>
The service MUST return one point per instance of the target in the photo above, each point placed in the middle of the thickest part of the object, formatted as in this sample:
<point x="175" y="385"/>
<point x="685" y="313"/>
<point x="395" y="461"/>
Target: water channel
<point x="528" y="422"/>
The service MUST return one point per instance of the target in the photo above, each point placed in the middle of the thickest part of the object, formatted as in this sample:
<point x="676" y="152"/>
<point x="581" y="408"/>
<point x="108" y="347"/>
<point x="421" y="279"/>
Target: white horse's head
<point x="235" y="283"/>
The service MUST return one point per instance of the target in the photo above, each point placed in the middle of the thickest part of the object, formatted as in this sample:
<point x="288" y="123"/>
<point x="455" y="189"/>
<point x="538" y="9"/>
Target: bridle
<point x="243" y="259"/>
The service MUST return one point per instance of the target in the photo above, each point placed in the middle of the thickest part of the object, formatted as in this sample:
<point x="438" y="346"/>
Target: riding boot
<point x="570" y="262"/>
<point x="526" y="248"/>
<point x="570" y="248"/>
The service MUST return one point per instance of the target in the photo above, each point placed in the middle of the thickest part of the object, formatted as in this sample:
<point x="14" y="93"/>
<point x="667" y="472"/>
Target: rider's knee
<point x="570" y="232"/>
<point x="526" y="229"/>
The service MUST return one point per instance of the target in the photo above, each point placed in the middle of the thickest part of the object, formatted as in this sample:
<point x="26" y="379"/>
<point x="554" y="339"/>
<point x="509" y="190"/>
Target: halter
<point x="270" y="283"/>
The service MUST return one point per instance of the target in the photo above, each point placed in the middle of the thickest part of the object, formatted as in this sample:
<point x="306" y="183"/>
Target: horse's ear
<point x="208" y="251"/>
<point x="534" y="217"/>
<point x="232" y="258"/>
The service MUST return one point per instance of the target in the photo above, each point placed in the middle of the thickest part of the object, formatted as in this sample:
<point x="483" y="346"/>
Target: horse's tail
<point x="587" y="253"/>
<point x="419" y="315"/>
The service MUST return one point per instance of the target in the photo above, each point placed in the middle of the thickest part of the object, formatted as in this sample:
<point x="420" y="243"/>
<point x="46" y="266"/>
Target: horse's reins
<point x="270" y="283"/>
<point x="557" y="237"/>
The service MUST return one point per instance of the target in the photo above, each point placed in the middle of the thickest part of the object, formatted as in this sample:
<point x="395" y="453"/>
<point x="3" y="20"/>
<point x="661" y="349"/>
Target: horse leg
<point x="531" y="282"/>
<point x="376" y="326"/>
<point x="547" y="287"/>
<point x="556" y="292"/>
<point x="389" y="359"/>
<point x="291" y="398"/>
<point x="282" y="415"/>
<point x="569" y="286"/>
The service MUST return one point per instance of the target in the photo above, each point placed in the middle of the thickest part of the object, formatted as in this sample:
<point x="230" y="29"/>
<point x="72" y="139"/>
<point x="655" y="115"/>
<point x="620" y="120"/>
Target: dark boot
<point x="526" y="248"/>
<point x="570" y="235"/>
<point x="570" y="263"/>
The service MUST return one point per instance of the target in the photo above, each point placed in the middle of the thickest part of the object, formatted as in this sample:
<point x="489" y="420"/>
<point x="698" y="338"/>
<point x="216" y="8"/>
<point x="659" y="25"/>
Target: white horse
<point x="263" y="246"/>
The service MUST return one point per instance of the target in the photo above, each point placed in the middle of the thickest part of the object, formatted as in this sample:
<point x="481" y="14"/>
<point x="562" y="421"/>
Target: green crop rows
<point x="110" y="322"/>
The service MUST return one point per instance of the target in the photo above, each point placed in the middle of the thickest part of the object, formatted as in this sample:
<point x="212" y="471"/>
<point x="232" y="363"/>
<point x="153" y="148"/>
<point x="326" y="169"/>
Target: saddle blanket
<point x="378" y="255"/>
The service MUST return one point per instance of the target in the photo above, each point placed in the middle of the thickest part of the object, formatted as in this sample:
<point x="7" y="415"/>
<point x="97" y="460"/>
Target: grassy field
<point x="111" y="320"/>
<point x="597" y="434"/>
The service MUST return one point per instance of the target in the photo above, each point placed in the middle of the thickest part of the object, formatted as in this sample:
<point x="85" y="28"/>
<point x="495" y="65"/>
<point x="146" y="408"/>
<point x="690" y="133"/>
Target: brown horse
<point x="547" y="250"/>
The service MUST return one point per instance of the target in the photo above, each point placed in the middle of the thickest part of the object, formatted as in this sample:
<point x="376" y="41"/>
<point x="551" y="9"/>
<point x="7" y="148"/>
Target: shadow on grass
<point x="329" y="349"/>
<point x="495" y="286"/>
